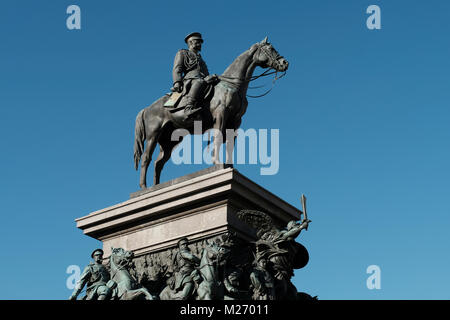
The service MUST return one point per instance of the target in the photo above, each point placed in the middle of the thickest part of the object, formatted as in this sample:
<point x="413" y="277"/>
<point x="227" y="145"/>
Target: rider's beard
<point x="196" y="48"/>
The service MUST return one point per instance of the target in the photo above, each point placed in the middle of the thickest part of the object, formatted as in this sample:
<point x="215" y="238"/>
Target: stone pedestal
<point x="198" y="206"/>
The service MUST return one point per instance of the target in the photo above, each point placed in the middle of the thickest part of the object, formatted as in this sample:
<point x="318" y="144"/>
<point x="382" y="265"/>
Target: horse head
<point x="212" y="255"/>
<point x="127" y="287"/>
<point x="214" y="251"/>
<point x="266" y="56"/>
<point x="121" y="258"/>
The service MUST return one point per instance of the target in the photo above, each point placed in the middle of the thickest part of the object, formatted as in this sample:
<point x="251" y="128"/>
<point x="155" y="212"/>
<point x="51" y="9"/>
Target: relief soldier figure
<point x="96" y="277"/>
<point x="285" y="256"/>
<point x="231" y="285"/>
<point x="262" y="281"/>
<point x="279" y="247"/>
<point x="182" y="284"/>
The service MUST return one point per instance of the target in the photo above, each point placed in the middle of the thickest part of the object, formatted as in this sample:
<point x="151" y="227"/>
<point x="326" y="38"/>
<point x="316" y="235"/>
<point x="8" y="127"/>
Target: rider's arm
<point x="205" y="68"/>
<point x="295" y="231"/>
<point x="177" y="72"/>
<point x="81" y="283"/>
<point x="189" y="256"/>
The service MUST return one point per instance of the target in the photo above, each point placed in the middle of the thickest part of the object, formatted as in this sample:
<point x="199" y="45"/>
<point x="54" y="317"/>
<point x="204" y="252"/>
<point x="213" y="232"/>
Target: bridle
<point x="273" y="60"/>
<point x="214" y="262"/>
<point x="273" y="56"/>
<point x="118" y="267"/>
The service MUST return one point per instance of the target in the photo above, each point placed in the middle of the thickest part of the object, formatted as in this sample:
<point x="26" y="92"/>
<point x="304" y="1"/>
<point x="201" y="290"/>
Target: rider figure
<point x="96" y="276"/>
<point x="190" y="72"/>
<point x="186" y="272"/>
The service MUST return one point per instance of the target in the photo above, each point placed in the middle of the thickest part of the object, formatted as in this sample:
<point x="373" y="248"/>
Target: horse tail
<point x="139" y="138"/>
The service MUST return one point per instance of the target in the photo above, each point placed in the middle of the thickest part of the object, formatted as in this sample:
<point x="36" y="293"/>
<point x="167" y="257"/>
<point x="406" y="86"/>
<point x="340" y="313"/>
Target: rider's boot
<point x="191" y="106"/>
<point x="185" y="293"/>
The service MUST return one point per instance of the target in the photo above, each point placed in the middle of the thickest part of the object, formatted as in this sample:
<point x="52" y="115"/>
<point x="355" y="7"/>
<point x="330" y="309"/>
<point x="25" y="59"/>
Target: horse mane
<point x="242" y="56"/>
<point x="115" y="254"/>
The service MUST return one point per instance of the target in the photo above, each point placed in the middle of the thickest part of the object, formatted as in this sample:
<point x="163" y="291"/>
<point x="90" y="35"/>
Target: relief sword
<point x="305" y="215"/>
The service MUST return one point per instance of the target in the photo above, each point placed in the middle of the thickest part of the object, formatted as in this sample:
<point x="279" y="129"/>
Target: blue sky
<point x="363" y="118"/>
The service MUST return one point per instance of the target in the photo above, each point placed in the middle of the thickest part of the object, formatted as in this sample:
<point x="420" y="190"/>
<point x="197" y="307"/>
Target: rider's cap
<point x="182" y="240"/>
<point x="95" y="251"/>
<point x="193" y="35"/>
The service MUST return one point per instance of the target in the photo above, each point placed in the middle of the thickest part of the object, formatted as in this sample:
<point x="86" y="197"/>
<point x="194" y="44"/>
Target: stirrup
<point x="190" y="110"/>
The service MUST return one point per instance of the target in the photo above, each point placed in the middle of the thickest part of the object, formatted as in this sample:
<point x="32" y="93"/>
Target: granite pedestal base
<point x="198" y="206"/>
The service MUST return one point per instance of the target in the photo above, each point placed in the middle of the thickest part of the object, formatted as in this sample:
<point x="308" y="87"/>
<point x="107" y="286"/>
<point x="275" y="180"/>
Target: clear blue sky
<point x="363" y="118"/>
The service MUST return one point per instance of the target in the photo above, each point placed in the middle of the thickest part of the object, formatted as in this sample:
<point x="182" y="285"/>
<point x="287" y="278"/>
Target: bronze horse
<point x="127" y="287"/>
<point x="208" y="289"/>
<point x="156" y="123"/>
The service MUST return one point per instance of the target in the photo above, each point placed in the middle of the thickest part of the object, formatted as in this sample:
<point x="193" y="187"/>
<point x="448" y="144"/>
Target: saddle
<point x="176" y="101"/>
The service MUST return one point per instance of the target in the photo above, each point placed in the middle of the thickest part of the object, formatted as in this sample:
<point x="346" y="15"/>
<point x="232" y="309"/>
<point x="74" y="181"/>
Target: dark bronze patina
<point x="218" y="101"/>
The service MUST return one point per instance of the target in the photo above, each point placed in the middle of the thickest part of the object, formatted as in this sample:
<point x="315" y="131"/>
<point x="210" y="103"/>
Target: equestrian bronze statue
<point x="219" y="102"/>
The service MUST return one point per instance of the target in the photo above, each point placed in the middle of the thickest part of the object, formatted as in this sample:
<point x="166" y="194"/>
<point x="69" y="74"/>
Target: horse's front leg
<point x="148" y="296"/>
<point x="144" y="291"/>
<point x="185" y="293"/>
<point x="136" y="294"/>
<point x="230" y="136"/>
<point x="230" y="142"/>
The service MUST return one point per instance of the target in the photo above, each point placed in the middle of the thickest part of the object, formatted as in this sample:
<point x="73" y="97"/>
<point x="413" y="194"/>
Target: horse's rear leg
<point x="146" y="159"/>
<point x="219" y="126"/>
<point x="165" y="151"/>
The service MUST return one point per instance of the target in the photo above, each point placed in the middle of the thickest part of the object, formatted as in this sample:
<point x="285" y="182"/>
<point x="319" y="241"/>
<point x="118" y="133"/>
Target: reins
<point x="265" y="73"/>
<point x="273" y="84"/>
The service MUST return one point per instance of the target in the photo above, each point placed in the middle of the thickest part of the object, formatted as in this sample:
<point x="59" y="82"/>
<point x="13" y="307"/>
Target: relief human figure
<point x="95" y="277"/>
<point x="262" y="281"/>
<point x="181" y="285"/>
